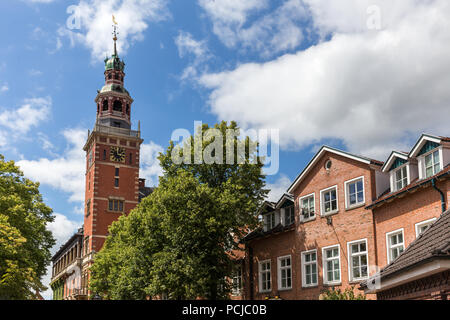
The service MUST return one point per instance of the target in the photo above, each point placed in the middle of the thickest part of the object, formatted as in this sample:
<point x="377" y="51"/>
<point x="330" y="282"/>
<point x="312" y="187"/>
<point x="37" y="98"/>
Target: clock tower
<point x="112" y="161"/>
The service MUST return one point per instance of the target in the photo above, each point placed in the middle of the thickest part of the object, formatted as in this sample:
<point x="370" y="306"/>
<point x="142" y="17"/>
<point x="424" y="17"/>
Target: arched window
<point x="117" y="106"/>
<point x="109" y="76"/>
<point x="128" y="109"/>
<point x="116" y="76"/>
<point x="105" y="105"/>
<point x="98" y="107"/>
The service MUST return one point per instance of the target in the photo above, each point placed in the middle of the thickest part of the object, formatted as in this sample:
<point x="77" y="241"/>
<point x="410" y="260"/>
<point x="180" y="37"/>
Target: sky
<point x="364" y="76"/>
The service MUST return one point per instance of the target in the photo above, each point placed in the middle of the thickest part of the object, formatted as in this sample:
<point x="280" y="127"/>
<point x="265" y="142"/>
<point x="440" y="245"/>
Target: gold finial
<point x="115" y="33"/>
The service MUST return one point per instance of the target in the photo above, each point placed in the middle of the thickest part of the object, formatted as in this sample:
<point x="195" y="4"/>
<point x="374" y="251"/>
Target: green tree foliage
<point x="179" y="240"/>
<point x="24" y="240"/>
<point x="338" y="294"/>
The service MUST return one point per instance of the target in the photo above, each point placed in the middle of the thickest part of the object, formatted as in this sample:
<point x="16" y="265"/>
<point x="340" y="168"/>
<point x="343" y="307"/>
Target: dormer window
<point x="269" y="221"/>
<point x="401" y="178"/>
<point x="432" y="164"/>
<point x="289" y="215"/>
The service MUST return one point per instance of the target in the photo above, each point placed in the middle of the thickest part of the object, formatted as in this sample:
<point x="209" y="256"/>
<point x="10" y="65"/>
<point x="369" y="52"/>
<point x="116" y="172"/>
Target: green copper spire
<point x="114" y="63"/>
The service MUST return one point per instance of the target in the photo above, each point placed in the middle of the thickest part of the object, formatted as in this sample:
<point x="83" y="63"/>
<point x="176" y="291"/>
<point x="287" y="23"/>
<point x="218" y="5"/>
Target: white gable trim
<point x="391" y="159"/>
<point x="283" y="199"/>
<point x="318" y="155"/>
<point x="422" y="141"/>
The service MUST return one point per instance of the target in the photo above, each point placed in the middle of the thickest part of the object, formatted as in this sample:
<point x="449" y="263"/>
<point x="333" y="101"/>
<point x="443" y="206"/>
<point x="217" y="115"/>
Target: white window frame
<point x="304" y="263"/>
<point x="422" y="163"/>
<point x="322" y="203"/>
<point x="300" y="200"/>
<point x="350" y="260"/>
<point x="394" y="177"/>
<point x="260" y="275"/>
<point x="285" y="213"/>
<point x="280" y="288"/>
<point x="423" y="223"/>
<point x="324" y="265"/>
<point x="388" y="243"/>
<point x="238" y="276"/>
<point x="347" y="193"/>
<point x="273" y="219"/>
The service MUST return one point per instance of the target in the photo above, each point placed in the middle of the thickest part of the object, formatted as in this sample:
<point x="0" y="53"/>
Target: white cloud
<point x="94" y="19"/>
<point x="187" y="45"/>
<point x="278" y="188"/>
<point x="149" y="164"/>
<point x="4" y="88"/>
<point x="371" y="89"/>
<point x="29" y="115"/>
<point x="65" y="172"/>
<point x="269" y="34"/>
<point x="15" y="124"/>
<point x="62" y="229"/>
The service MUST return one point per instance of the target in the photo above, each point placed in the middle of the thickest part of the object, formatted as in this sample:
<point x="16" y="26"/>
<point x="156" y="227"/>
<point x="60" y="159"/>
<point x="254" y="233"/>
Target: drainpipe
<point x="250" y="269"/>
<point x="433" y="183"/>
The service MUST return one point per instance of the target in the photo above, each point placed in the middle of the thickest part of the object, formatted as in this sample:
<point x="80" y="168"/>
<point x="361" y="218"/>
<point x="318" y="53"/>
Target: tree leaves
<point x="178" y="241"/>
<point x="24" y="240"/>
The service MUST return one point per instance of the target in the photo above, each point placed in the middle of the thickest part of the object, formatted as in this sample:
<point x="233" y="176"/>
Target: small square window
<point x="307" y="208"/>
<point x="329" y="201"/>
<point x="354" y="190"/>
<point x="395" y="244"/>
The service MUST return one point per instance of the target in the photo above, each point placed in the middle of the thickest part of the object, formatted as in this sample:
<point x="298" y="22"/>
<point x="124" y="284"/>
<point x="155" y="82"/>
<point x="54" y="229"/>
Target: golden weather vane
<point x="115" y="33"/>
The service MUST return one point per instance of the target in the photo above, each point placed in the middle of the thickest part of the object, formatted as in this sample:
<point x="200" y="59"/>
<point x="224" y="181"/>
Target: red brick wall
<point x="101" y="182"/>
<point x="347" y="226"/>
<point x="405" y="212"/>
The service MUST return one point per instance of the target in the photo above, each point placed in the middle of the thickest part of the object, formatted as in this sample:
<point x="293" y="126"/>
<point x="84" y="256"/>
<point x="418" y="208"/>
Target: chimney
<point x="141" y="183"/>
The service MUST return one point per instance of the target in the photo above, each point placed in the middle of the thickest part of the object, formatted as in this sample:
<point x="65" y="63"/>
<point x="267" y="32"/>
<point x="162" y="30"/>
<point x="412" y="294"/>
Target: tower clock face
<point x="117" y="154"/>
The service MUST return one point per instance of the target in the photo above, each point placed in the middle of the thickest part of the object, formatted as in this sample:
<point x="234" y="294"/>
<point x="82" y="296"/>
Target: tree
<point x="183" y="233"/>
<point x="338" y="294"/>
<point x="25" y="242"/>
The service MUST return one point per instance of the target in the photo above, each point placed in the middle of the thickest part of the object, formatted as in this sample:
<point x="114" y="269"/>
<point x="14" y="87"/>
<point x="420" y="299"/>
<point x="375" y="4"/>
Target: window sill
<point x="357" y="281"/>
<point x="332" y="284"/>
<point x="308" y="220"/>
<point x="325" y="215"/>
<point x="310" y="287"/>
<point x="356" y="206"/>
<point x="284" y="289"/>
<point x="111" y="211"/>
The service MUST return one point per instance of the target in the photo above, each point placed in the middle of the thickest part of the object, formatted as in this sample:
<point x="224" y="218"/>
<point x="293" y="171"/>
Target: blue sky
<point x="364" y="76"/>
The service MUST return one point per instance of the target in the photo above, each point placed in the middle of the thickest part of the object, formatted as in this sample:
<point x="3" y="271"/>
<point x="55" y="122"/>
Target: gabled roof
<point x="434" y="243"/>
<point x="423" y="140"/>
<point x="390" y="161"/>
<point x="319" y="154"/>
<point x="267" y="204"/>
<point x="260" y="233"/>
<point x="285" y="197"/>
<point x="412" y="187"/>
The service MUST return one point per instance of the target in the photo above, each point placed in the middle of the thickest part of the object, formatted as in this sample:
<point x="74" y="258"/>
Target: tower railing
<point x="116" y="130"/>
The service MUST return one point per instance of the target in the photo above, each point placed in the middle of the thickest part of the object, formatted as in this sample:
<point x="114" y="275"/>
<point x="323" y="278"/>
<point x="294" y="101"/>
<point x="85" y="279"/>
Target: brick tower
<point x="112" y="161"/>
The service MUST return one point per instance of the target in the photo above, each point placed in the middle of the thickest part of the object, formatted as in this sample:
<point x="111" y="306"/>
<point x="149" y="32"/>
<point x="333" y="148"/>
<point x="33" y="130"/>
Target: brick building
<point x="353" y="215"/>
<point x="112" y="186"/>
<point x="422" y="271"/>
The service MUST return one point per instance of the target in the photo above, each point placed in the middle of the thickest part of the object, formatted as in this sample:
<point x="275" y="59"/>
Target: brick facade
<point x="409" y="209"/>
